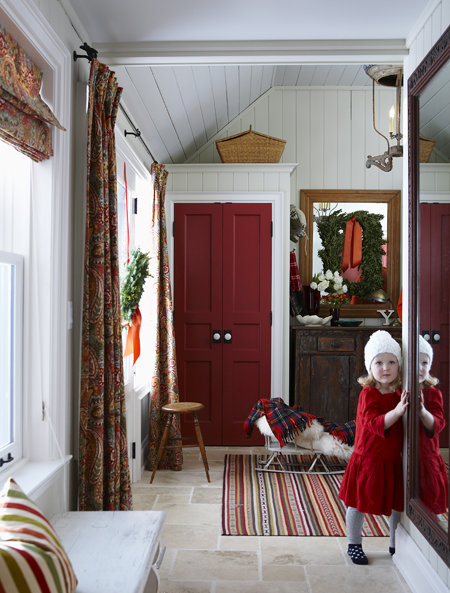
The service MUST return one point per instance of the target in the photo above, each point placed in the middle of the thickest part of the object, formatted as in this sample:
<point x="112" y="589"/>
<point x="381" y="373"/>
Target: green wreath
<point x="332" y="230"/>
<point x="133" y="283"/>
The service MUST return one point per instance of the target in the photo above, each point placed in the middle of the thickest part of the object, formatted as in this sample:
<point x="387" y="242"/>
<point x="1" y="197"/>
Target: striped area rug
<point x="266" y="503"/>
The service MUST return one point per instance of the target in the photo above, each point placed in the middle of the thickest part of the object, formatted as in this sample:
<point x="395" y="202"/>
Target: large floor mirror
<point x="429" y="119"/>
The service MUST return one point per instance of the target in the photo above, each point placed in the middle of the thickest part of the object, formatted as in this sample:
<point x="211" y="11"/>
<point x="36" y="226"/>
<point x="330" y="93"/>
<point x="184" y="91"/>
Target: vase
<point x="312" y="300"/>
<point x="335" y="312"/>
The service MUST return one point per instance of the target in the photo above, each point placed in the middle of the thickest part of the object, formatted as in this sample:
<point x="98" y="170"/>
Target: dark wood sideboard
<point x="325" y="365"/>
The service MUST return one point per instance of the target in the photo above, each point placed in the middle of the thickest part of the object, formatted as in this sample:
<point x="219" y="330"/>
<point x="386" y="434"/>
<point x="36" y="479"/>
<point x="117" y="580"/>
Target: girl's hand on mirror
<point x="421" y="404"/>
<point x="393" y="415"/>
<point x="400" y="408"/>
<point x="425" y="416"/>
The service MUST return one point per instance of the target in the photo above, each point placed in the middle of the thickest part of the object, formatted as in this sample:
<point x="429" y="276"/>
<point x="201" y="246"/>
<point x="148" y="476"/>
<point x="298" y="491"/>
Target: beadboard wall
<point x="328" y="132"/>
<point x="416" y="556"/>
<point x="435" y="182"/>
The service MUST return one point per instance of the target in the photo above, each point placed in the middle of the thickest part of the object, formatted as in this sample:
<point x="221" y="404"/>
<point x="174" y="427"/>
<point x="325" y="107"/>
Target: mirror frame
<point x="393" y="199"/>
<point x="416" y="511"/>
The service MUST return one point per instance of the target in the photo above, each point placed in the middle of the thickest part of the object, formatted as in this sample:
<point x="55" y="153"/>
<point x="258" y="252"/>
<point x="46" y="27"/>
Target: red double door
<point x="222" y="302"/>
<point x="435" y="294"/>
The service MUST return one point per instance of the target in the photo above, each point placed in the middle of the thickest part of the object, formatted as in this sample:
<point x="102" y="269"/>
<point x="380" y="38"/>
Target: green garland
<point x="133" y="283"/>
<point x="331" y="231"/>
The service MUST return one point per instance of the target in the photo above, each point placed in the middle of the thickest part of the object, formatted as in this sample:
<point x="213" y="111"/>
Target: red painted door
<point x="222" y="285"/>
<point x="435" y="293"/>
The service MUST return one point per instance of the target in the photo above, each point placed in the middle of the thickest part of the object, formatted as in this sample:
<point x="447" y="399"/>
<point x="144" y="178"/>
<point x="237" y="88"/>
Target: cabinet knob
<point x="227" y="336"/>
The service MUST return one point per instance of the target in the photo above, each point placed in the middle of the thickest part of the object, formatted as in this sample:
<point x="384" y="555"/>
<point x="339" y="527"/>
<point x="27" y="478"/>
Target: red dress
<point x="433" y="488"/>
<point x="373" y="479"/>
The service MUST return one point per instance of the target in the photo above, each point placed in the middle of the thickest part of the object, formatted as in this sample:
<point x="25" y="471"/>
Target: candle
<point x="391" y="119"/>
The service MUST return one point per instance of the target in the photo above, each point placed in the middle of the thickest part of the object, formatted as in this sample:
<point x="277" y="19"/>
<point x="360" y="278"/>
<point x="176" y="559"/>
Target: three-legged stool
<point x="172" y="410"/>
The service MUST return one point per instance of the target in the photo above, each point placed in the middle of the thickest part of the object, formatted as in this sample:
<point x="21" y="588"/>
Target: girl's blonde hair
<point x="370" y="381"/>
<point x="429" y="381"/>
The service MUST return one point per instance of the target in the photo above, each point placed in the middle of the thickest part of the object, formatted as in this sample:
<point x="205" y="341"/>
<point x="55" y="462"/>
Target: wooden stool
<point x="172" y="410"/>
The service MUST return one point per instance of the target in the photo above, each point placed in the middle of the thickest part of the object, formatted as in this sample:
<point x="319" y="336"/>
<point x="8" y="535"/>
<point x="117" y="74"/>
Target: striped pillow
<point x="32" y="558"/>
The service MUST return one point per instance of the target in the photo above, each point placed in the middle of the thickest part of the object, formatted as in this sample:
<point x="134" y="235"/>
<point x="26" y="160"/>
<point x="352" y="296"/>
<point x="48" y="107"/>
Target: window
<point x="137" y="232"/>
<point x="11" y="311"/>
<point x="125" y="239"/>
<point x="15" y="184"/>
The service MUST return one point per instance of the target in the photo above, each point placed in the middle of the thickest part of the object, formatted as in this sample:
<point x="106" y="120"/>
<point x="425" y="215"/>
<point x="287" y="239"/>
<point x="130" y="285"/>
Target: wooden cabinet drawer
<point x="336" y="344"/>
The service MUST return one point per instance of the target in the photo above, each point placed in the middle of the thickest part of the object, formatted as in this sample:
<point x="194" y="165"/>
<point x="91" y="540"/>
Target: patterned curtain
<point x="104" y="477"/>
<point x="23" y="114"/>
<point x="164" y="381"/>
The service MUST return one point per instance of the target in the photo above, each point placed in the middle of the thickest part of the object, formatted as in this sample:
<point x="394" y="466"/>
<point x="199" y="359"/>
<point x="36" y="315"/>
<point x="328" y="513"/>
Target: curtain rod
<point x="91" y="54"/>
<point x="137" y="133"/>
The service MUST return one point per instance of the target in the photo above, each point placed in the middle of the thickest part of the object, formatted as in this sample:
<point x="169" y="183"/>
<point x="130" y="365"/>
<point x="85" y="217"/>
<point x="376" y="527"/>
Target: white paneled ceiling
<point x="189" y="68"/>
<point x="182" y="107"/>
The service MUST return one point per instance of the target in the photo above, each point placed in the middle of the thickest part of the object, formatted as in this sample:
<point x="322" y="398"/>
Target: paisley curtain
<point x="23" y="114"/>
<point x="104" y="477"/>
<point x="164" y="388"/>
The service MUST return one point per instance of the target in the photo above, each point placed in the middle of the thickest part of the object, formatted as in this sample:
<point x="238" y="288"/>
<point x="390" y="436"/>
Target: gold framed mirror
<point x="428" y="80"/>
<point x="390" y="201"/>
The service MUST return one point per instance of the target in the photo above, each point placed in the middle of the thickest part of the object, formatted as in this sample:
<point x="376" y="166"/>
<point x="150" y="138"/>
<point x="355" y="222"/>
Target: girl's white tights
<point x="354" y="521"/>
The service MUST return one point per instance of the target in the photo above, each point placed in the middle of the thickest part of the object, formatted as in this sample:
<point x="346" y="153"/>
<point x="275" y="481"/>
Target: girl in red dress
<point x="373" y="480"/>
<point x="433" y="482"/>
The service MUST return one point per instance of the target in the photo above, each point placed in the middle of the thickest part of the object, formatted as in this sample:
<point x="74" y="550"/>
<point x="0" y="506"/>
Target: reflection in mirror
<point x="433" y="478"/>
<point x="381" y="206"/>
<point x="429" y="282"/>
<point x="434" y="133"/>
<point x="434" y="147"/>
<point x="346" y="207"/>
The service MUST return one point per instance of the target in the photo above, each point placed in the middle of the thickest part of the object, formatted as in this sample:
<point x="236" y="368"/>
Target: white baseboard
<point x="414" y="567"/>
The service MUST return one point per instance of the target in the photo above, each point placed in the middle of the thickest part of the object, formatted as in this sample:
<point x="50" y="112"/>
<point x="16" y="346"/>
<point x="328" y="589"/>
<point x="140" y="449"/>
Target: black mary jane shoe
<point x="391" y="551"/>
<point x="356" y="554"/>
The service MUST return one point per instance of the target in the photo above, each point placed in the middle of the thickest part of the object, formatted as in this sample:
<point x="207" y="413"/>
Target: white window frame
<point x="128" y="373"/>
<point x="14" y="447"/>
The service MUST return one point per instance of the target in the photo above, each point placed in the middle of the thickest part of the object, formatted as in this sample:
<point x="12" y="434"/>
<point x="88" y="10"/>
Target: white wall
<point x="328" y="132"/>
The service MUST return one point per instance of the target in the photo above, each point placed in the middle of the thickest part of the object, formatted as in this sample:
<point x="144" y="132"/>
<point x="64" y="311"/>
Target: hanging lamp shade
<point x="24" y="116"/>
<point x="385" y="75"/>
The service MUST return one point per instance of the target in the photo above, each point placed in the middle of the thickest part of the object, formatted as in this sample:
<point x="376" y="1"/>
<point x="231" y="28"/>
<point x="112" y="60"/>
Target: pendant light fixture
<point x="390" y="76"/>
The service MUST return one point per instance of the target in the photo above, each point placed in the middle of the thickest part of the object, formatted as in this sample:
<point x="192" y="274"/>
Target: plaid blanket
<point x="286" y="422"/>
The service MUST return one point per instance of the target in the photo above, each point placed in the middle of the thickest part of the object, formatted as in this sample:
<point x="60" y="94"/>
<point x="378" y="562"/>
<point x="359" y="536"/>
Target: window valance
<point x="24" y="116"/>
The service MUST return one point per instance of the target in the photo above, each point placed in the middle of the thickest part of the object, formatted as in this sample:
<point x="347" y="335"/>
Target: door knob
<point x="435" y="337"/>
<point x="426" y="335"/>
<point x="228" y="336"/>
<point x="216" y="336"/>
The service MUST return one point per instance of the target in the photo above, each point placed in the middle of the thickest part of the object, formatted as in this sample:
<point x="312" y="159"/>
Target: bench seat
<point x="113" y="551"/>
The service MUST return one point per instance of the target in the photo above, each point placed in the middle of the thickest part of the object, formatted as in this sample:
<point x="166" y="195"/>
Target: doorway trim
<point x="280" y="269"/>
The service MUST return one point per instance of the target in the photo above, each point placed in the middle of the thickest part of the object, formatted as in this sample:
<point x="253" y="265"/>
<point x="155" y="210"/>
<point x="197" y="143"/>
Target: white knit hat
<point x="426" y="348"/>
<point x="379" y="342"/>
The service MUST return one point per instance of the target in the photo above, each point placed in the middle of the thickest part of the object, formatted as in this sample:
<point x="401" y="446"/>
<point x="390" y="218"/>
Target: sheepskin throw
<point x="287" y="422"/>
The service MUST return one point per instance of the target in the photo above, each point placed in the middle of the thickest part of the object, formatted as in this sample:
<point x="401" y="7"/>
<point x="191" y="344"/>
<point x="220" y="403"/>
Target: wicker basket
<point x="425" y="148"/>
<point x="250" y="147"/>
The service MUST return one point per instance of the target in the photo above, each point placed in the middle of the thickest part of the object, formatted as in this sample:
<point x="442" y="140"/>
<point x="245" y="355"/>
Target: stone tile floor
<point x="198" y="559"/>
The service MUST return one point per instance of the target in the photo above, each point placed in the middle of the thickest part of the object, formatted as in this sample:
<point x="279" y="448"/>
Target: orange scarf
<point x="352" y="250"/>
<point x="133" y="345"/>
